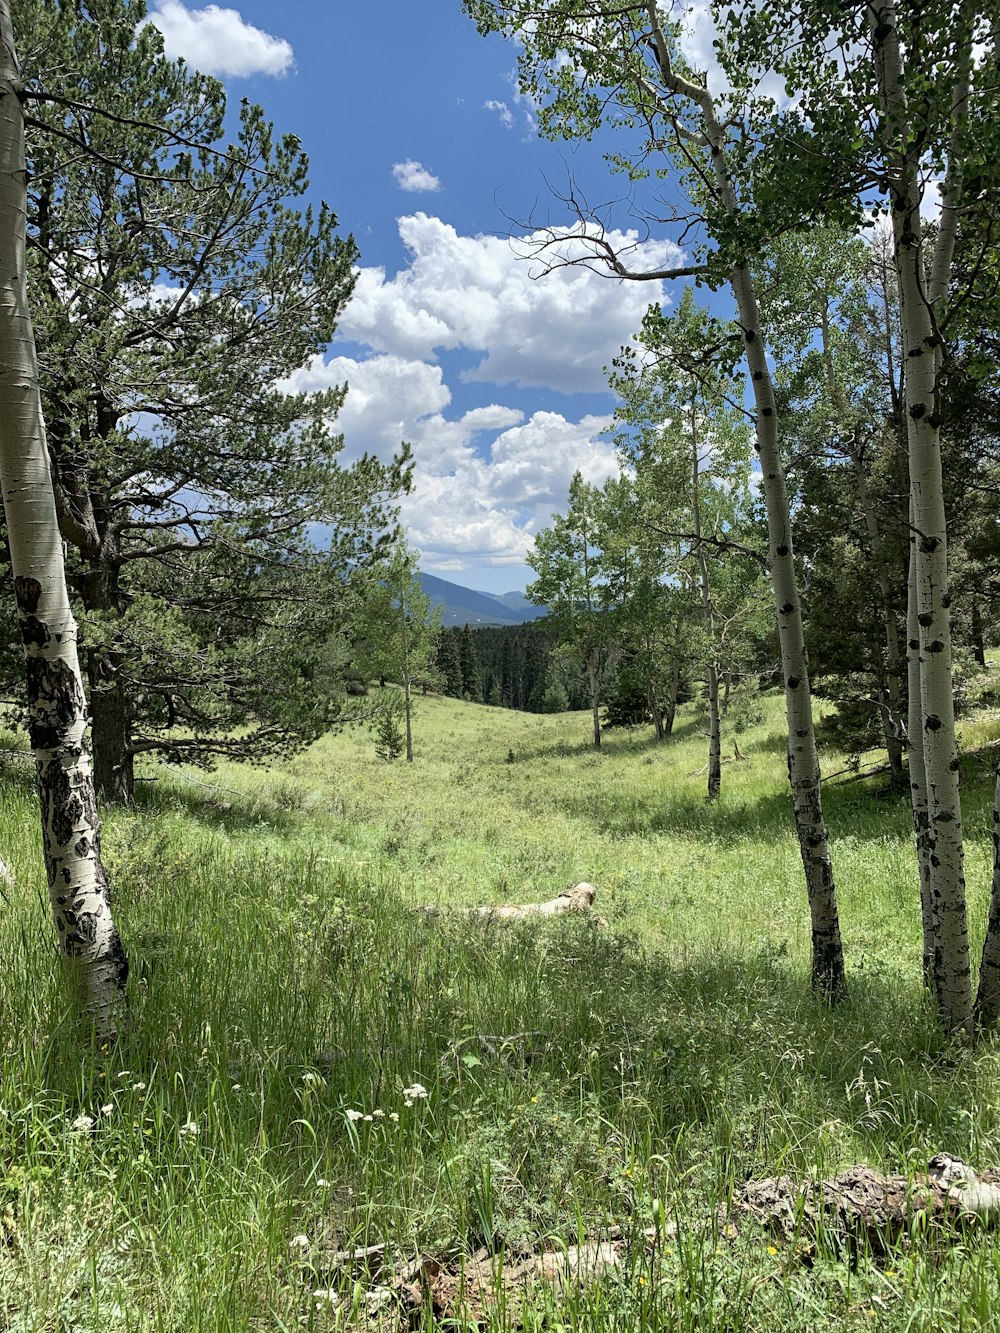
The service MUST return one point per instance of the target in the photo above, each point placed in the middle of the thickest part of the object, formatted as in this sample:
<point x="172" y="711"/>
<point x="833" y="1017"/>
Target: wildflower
<point x="236" y="1087"/>
<point x="138" y="1087"/>
<point x="308" y="1077"/>
<point x="394" y="1117"/>
<point x="83" y="1124"/>
<point x="189" y="1129"/>
<point x="323" y="1184"/>
<point x="416" y="1092"/>
<point x="534" y="1101"/>
<point x="107" y="1108"/>
<point x="378" y="1114"/>
<point x="772" y="1249"/>
<point x="299" y="1242"/>
<point x="369" y="1118"/>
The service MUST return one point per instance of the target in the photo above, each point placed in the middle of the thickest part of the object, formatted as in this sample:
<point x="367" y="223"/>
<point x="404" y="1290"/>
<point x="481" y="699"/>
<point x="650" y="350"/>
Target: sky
<point x="454" y="340"/>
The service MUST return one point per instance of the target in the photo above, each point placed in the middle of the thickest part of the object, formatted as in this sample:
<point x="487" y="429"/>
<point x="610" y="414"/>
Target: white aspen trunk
<point x="594" y="677"/>
<point x="919" y="302"/>
<point x="918" y="779"/>
<point x="708" y="620"/>
<point x="803" y="759"/>
<point x="92" y="953"/>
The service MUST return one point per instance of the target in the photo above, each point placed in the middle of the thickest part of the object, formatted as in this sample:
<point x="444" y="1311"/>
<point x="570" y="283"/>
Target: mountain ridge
<point x="468" y="606"/>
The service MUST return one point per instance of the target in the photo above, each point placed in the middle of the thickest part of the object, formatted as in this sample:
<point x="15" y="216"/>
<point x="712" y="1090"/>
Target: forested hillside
<point x="633" y="961"/>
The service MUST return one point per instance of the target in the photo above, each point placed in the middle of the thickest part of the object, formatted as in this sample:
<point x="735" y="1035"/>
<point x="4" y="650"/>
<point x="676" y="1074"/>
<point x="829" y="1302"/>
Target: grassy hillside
<point x="284" y="991"/>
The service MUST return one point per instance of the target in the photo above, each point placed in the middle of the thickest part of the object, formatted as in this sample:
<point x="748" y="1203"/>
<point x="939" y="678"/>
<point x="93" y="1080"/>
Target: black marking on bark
<point x="67" y="877"/>
<point x="925" y="618"/>
<point x="914" y="643"/>
<point x="917" y="411"/>
<point x="802" y="733"/>
<point x="953" y="765"/>
<point x="34" y="632"/>
<point x="82" y="846"/>
<point x="935" y="861"/>
<point x="946" y="600"/>
<point x="788" y="608"/>
<point x="55" y="701"/>
<point x="28" y="593"/>
<point x="768" y="412"/>
<point x="781" y="550"/>
<point x="882" y="31"/>
<point x="750" y="336"/>
<point x="935" y="421"/>
<point x="793" y="682"/>
<point x="82" y="938"/>
<point x="758" y="375"/>
<point x="936" y="647"/>
<point x="929" y="545"/>
<point x="932" y="723"/>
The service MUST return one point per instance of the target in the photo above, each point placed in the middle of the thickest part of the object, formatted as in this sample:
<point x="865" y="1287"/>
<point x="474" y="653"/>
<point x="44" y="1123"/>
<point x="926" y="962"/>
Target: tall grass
<point x="286" y="1001"/>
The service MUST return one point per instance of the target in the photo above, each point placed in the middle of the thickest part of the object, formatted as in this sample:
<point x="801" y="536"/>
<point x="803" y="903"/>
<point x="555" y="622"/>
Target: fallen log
<point x="864" y="1207"/>
<point x="577" y="898"/>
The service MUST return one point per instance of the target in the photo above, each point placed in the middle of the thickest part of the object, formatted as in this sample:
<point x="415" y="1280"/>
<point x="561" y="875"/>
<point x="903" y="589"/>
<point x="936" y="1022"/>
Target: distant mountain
<point x="466" y="606"/>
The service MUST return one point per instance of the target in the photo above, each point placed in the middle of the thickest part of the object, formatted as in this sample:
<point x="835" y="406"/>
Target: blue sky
<point x="454" y="341"/>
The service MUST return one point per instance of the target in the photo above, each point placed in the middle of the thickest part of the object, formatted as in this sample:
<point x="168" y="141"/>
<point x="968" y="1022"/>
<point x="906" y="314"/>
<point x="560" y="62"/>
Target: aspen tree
<point x="586" y="65"/>
<point x="91" y="950"/>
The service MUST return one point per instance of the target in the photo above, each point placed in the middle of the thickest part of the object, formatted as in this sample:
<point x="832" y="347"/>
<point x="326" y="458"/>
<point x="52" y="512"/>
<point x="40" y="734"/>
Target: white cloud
<point x="219" y="41"/>
<point x="414" y="176"/>
<point x="502" y="110"/>
<point x="557" y="329"/>
<point x="469" y="504"/>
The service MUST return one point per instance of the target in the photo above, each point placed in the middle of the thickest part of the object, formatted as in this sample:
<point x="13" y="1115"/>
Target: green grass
<point x="281" y="979"/>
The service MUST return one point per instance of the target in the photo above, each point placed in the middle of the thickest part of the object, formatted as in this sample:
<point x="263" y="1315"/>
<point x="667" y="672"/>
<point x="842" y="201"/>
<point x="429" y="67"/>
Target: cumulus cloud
<point x="476" y="499"/>
<point x="557" y="329"/>
<point x="219" y="41"/>
<point x="414" y="176"/>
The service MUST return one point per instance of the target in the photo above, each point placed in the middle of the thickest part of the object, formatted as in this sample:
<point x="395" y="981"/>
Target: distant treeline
<point x="511" y="666"/>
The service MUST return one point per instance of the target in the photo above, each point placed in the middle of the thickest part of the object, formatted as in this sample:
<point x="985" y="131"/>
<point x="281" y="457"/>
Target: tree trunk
<point x="920" y="298"/>
<point x="803" y="760"/>
<point x="654" y="707"/>
<point x="111" y="736"/>
<point x="408" y="702"/>
<point x="92" y="952"/>
<point x="593" y="675"/>
<point x="918" y="778"/>
<point x="708" y="620"/>
<point x="988" y="995"/>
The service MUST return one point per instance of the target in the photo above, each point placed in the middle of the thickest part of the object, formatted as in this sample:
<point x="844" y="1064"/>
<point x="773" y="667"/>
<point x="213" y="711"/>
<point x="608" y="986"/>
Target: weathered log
<point x="861" y="1206"/>
<point x="577" y="898"/>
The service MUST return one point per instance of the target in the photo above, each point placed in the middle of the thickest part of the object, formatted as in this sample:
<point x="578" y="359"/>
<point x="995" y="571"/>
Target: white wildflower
<point x="378" y="1114"/>
<point x="189" y="1129"/>
<point x="123" y="1073"/>
<point x="138" y="1087"/>
<point x="107" y="1108"/>
<point x="416" y="1092"/>
<point x="308" y="1077"/>
<point x="83" y="1124"/>
<point x="236" y="1087"/>
<point x="323" y="1184"/>
<point x="368" y="1118"/>
<point x="354" y="1115"/>
<point x="394" y="1117"/>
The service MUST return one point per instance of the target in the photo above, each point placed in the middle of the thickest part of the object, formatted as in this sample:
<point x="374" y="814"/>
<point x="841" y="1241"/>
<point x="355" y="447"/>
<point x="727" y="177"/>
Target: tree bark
<point x="708" y="620"/>
<point x="988" y="995"/>
<point x="803" y="760"/>
<point x="921" y="300"/>
<point x="594" y="677"/>
<point x="89" y="944"/>
<point x="918" y="778"/>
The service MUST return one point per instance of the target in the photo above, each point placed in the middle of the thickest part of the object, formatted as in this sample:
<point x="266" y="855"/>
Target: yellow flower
<point x="772" y="1249"/>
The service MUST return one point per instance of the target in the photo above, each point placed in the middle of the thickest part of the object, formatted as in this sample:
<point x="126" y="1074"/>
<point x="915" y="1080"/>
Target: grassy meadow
<point x="304" y="1073"/>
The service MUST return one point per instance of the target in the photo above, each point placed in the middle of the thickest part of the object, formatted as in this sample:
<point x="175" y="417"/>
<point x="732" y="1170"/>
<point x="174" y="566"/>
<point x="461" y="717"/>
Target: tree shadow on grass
<point x="214" y="807"/>
<point x="858" y="806"/>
